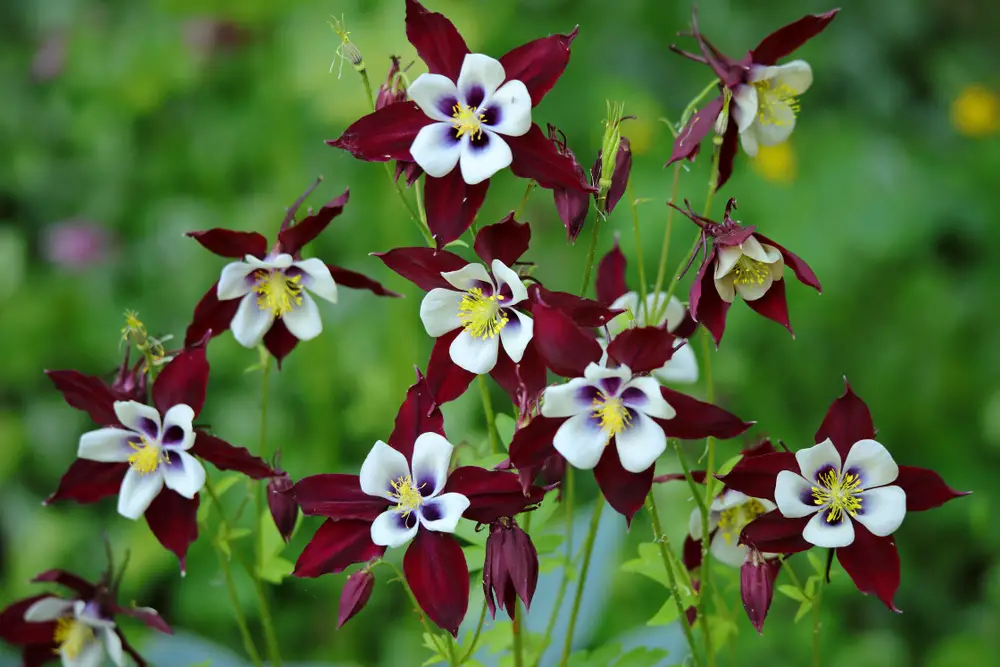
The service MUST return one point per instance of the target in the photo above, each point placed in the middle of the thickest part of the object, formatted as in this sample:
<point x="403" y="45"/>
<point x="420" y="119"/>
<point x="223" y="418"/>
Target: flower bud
<point x="284" y="510"/>
<point x="609" y="146"/>
<point x="757" y="577"/>
<point x="392" y="91"/>
<point x="130" y="383"/>
<point x="511" y="567"/>
<point x="572" y="204"/>
<point x="354" y="596"/>
<point x="618" y="182"/>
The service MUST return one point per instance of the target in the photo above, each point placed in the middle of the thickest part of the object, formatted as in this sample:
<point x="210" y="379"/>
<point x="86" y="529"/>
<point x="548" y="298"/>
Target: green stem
<point x="423" y="617"/>
<point x="475" y="636"/>
<point x="491" y="421"/>
<point x="706" y="581"/>
<point x="567" y="503"/>
<point x="695" y="491"/>
<point x="515" y="629"/>
<point x="661" y="270"/>
<point x="424" y="227"/>
<point x="663" y="542"/>
<point x="591" y="251"/>
<point x="817" y="623"/>
<point x="638" y="250"/>
<point x="524" y="199"/>
<point x="588" y="551"/>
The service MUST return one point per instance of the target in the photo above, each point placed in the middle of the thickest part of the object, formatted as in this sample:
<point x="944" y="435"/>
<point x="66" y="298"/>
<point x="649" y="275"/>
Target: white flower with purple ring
<point x="81" y="634"/>
<point x="683" y="365"/>
<point x="729" y="513"/>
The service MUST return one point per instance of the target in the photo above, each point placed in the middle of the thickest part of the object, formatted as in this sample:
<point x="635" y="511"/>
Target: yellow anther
<point x="732" y="521"/>
<point x="750" y="271"/>
<point x="467" y="121"/>
<point x="481" y="315"/>
<point x="841" y="494"/>
<point x="278" y="292"/>
<point x="613" y="414"/>
<point x="770" y="96"/>
<point x="72" y="636"/>
<point x="147" y="456"/>
<point x="407" y="495"/>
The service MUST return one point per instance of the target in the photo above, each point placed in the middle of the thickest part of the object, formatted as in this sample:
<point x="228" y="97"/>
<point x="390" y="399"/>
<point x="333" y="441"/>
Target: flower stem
<point x="817" y="622"/>
<point x="491" y="420"/>
<point x="638" y="250"/>
<point x="661" y="270"/>
<point x="524" y="199"/>
<point x="515" y="629"/>
<point x="567" y="503"/>
<point x="665" y="551"/>
<point x="423" y="617"/>
<point x="591" y="251"/>
<point x="706" y="580"/>
<point x="475" y="636"/>
<point x="588" y="551"/>
<point x="424" y="227"/>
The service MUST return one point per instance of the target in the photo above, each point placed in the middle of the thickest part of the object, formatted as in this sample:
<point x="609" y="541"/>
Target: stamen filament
<point x="839" y="494"/>
<point x="467" y="121"/>
<point x="278" y="293"/>
<point x="481" y="315"/>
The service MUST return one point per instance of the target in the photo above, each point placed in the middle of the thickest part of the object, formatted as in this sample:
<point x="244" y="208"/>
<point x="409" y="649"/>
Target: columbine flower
<point x="612" y="289"/>
<point x="757" y="576"/>
<point x="845" y="493"/>
<point x="80" y="630"/>
<point x="405" y="493"/>
<point x="141" y="449"/>
<point x="742" y="262"/>
<point x="511" y="567"/>
<point x="762" y="95"/>
<point x="393" y="91"/>
<point x="354" y="595"/>
<point x="283" y="509"/>
<point x="265" y="296"/>
<point x="729" y="513"/>
<point x="469" y="117"/>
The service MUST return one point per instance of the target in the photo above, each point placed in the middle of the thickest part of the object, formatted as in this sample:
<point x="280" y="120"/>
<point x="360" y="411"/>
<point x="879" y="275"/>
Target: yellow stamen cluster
<point x="481" y="315"/>
<point x="147" y="456"/>
<point x="407" y="495"/>
<point x="839" y="493"/>
<point x="278" y="293"/>
<point x="613" y="414"/>
<point x="72" y="636"/>
<point x="732" y="521"/>
<point x="769" y="96"/>
<point x="750" y="271"/>
<point x="467" y="121"/>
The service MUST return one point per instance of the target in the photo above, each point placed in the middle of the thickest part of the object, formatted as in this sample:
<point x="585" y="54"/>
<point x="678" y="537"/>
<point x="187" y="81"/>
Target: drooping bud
<point x="284" y="510"/>
<point x="757" y="577"/>
<point x="619" y="179"/>
<point x="511" y="567"/>
<point x="393" y="90"/>
<point x="571" y="204"/>
<point x="354" y="596"/>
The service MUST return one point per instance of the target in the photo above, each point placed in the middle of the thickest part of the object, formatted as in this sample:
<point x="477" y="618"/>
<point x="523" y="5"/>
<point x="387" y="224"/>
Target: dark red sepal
<point x="435" y="569"/>
<point x="924" y="489"/>
<point x="787" y="39"/>
<point x="418" y="414"/>
<point x="383" y="135"/>
<point x="184" y="380"/>
<point x="522" y="381"/>
<point x="492" y="493"/>
<point x="279" y="341"/>
<point x="563" y="345"/>
<point x="87" y="393"/>
<point x="423" y="266"/>
<point x="727" y="153"/>
<point x="355" y="280"/>
<point x="691" y="554"/>
<point x="696" y="419"/>
<point x="445" y="380"/>
<point x="584" y="312"/>
<point x="757" y="577"/>
<point x="773" y="533"/>
<point x="611" y="282"/>
<point x="89" y="481"/>
<point x="773" y="305"/>
<point x="336" y="546"/>
<point x="642" y="349"/>
<point x="174" y="522"/>
<point x="292" y="239"/>
<point x="19" y="632"/>
<point x="148" y="617"/>
<point x="572" y="204"/>
<point x="795" y="263"/>
<point x="336" y="496"/>
<point x="847" y="421"/>
<point x="532" y="447"/>
<point x="225" y="456"/>
<point x="873" y="564"/>
<point x="437" y="41"/>
<point x="452" y="205"/>
<point x="539" y="63"/>
<point x="232" y="244"/>
<point x="756" y="476"/>
<point x="83" y="588"/>
<point x="707" y="307"/>
<point x="536" y="158"/>
<point x="354" y="595"/>
<point x="506" y="240"/>
<point x="625" y="491"/>
<point x="700" y="125"/>
<point x="211" y="315"/>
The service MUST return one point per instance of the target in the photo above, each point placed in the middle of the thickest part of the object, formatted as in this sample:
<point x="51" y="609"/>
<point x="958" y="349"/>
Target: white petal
<point x="184" y="474"/>
<point x="389" y="529"/>
<point x="628" y="302"/>
<point x="871" y="461"/>
<point x="675" y="310"/>
<point x="729" y="552"/>
<point x="754" y="249"/>
<point x="682" y="367"/>
<point x="447" y="508"/>
<point x="726" y="287"/>
<point x="565" y="400"/>
<point x="641" y="443"/>
<point x="431" y="459"/>
<point x="271" y="262"/>
<point x="109" y="445"/>
<point x="728" y="256"/>
<point x="752" y="291"/>
<point x="729" y="499"/>
<point x="250" y="322"/>
<point x="113" y="645"/>
<point x="468" y="277"/>
<point x="794" y="495"/>
<point x="317" y="278"/>
<point x="882" y="510"/>
<point x="234" y="283"/>
<point x="476" y="355"/>
<point x="745" y="99"/>
<point x="138" y="417"/>
<point x="181" y="416"/>
<point x="91" y="655"/>
<point x="797" y="75"/>
<point x="646" y="397"/>
<point x="748" y="141"/>
<point x="303" y="321"/>
<point x="481" y="160"/>
<point x="516" y="334"/>
<point x="479" y="71"/>
<point x="817" y="458"/>
<point x="694" y="525"/>
<point x="581" y="441"/>
<point x="382" y="466"/>
<point x="439" y="311"/>
<point x="830" y="535"/>
<point x="779" y="127"/>
<point x="137" y="492"/>
<point x="435" y="94"/>
<point x="47" y="609"/>
<point x="89" y="613"/>
<point x="595" y="372"/>
<point x="507" y="276"/>
<point x="512" y="102"/>
<point x="436" y="149"/>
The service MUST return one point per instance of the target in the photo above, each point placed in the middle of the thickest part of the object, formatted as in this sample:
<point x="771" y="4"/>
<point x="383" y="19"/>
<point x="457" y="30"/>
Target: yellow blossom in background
<point x="777" y="164"/>
<point x="976" y="111"/>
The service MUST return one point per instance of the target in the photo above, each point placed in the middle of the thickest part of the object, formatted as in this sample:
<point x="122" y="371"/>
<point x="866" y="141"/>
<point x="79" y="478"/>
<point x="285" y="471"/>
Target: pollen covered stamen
<point x="71" y="635"/>
<point x="732" y="521"/>
<point x="769" y="97"/>
<point x="840" y="494"/>
<point x="750" y="271"/>
<point x="278" y="292"/>
<point x="482" y="316"/>
<point x="147" y="456"/>
<point x="614" y="416"/>
<point x="467" y="121"/>
<point x="407" y="495"/>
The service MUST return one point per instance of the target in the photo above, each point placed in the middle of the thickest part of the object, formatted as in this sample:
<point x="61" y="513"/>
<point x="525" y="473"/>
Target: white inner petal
<point x="566" y="400"/>
<point x="830" y="535"/>
<point x="816" y="458"/>
<point x="516" y="335"/>
<point x="250" y="322"/>
<point x="382" y="466"/>
<point x="47" y="609"/>
<point x="640" y="444"/>
<point x="790" y="492"/>
<point x="234" y="282"/>
<point x="431" y="92"/>
<point x="580" y="441"/>
<point x="436" y="150"/>
<point x="135" y="416"/>
<point x="448" y="507"/>
<point x="882" y="510"/>
<point x="871" y="461"/>
<point x="388" y="529"/>
<point x="482" y="71"/>
<point x="507" y="276"/>
<point x="512" y="102"/>
<point x="304" y="321"/>
<point x="138" y="491"/>
<point x="439" y="311"/>
<point x="184" y="474"/>
<point x="318" y="278"/>
<point x="431" y="459"/>
<point x="479" y="162"/>
<point x="476" y="355"/>
<point x="468" y="277"/>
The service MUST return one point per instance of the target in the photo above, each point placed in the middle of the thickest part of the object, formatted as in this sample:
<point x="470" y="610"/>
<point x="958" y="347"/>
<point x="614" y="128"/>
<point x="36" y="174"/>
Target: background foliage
<point x="125" y="124"/>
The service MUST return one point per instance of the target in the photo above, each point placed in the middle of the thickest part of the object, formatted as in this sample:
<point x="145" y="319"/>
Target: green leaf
<point x="466" y="530"/>
<point x="726" y="467"/>
<point x="224" y="484"/>
<point x="505" y="427"/>
<point x="276" y="569"/>
<point x="642" y="657"/>
<point x="817" y="563"/>
<point x="474" y="557"/>
<point x="540" y="517"/>
<point x="811" y="583"/>
<point x="666" y="615"/>
<point x="545" y="544"/>
<point x="792" y="592"/>
<point x="457" y="243"/>
<point x="649" y="564"/>
<point x="237" y="533"/>
<point x="722" y="629"/>
<point x="803" y="610"/>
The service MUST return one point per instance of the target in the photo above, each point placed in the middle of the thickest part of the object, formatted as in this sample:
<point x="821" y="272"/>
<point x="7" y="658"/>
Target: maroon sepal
<point x="211" y="315"/>
<point x="696" y="419"/>
<point x="625" y="491"/>
<point x="452" y="205"/>
<point x="619" y="179"/>
<point x="292" y="239"/>
<point x="336" y="546"/>
<point x="355" y="280"/>
<point x="795" y="263"/>
<point x="702" y="123"/>
<point x="506" y="240"/>
<point x="584" y="312"/>
<point x="492" y="493"/>
<point x="354" y="595"/>
<point x="727" y="153"/>
<point x="422" y="266"/>
<point x="756" y="476"/>
<point x="411" y="171"/>
<point x="691" y="555"/>
<point x="83" y="588"/>
<point x="336" y="496"/>
<point x="279" y="341"/>
<point x="174" y="522"/>
<point x="435" y="569"/>
<point x="131" y="382"/>
<point x="773" y="305"/>
<point x="19" y="632"/>
<point x="873" y="564"/>
<point x="611" y="282"/>
<point x="510" y="570"/>
<point x="383" y="135"/>
<point x="707" y="307"/>
<point x="532" y="447"/>
<point x="523" y="381"/>
<point x="148" y="617"/>
<point x="847" y="421"/>
<point x="757" y="577"/>
<point x="787" y="39"/>
<point x="773" y="533"/>
<point x="642" y="349"/>
<point x="182" y="381"/>
<point x="418" y="414"/>
<point x="572" y="204"/>
<point x="225" y="456"/>
<point x="536" y="158"/>
<point x="437" y="41"/>
<point x="445" y="380"/>
<point x="924" y="489"/>
<point x="232" y="244"/>
<point x="392" y="91"/>
<point x="89" y="481"/>
<point x="539" y="63"/>
<point x="87" y="393"/>
<point x="564" y="346"/>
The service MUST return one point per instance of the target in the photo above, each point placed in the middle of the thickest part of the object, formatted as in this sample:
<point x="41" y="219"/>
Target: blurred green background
<point x="125" y="124"/>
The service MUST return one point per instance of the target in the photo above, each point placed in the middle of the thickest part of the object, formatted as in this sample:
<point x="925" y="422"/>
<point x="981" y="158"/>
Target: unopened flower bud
<point x="392" y="91"/>
<point x="621" y="171"/>
<point x="609" y="146"/>
<point x="511" y="567"/>
<point x="572" y="204"/>
<point x="284" y="510"/>
<point x="354" y="596"/>
<point x="757" y="577"/>
<point x="130" y="382"/>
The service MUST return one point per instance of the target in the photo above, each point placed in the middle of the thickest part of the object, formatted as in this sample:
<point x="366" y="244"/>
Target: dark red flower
<point x="355" y="594"/>
<point x="264" y="295"/>
<point x="845" y="493"/>
<point x="760" y="97"/>
<point x="572" y="203"/>
<point x="469" y="117"/>
<point x="149" y="454"/>
<point x="757" y="575"/>
<point x="511" y="568"/>
<point x="742" y="262"/>
<point x="78" y="627"/>
<point x="616" y="185"/>
<point x="283" y="509"/>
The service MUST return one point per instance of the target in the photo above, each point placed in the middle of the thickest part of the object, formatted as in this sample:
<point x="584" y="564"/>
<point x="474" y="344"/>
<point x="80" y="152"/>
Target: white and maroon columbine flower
<point x="82" y="635"/>
<point x="729" y="512"/>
